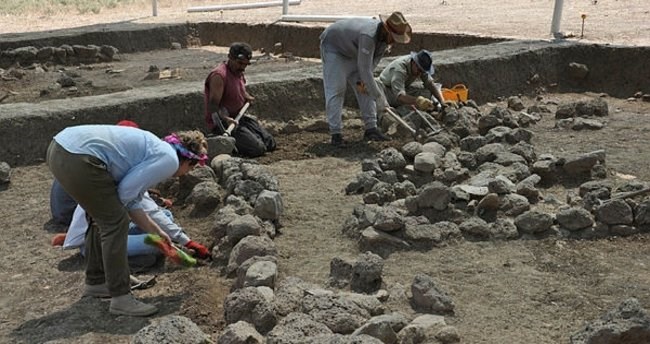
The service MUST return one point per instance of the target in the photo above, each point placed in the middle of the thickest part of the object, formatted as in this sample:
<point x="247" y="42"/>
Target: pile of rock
<point x="627" y="323"/>
<point x="63" y="55"/>
<point x="300" y="312"/>
<point x="479" y="180"/>
<point x="296" y="312"/>
<point x="582" y="114"/>
<point x="262" y="309"/>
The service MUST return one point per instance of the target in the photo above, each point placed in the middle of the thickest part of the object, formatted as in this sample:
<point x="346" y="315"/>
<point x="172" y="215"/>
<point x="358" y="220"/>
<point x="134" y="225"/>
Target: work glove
<point x="199" y="250"/>
<point x="423" y="104"/>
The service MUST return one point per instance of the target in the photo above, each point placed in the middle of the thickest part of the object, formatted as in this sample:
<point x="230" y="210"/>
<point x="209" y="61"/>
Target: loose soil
<point x="535" y="291"/>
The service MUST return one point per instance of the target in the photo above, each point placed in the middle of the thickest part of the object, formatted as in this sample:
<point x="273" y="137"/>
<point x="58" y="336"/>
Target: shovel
<point x="400" y="120"/>
<point x="625" y="195"/>
<point x="241" y="113"/>
<point x="434" y="129"/>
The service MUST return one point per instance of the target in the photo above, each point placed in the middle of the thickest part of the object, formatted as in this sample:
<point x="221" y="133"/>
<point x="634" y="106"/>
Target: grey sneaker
<point x="97" y="290"/>
<point x="128" y="305"/>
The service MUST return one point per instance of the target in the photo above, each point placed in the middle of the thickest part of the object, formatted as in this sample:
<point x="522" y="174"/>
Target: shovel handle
<point x="425" y="119"/>
<point x="400" y="120"/>
<point x="241" y="113"/>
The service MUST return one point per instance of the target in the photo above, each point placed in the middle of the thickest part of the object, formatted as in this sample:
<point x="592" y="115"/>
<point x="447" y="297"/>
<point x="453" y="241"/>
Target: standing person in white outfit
<point x="350" y="50"/>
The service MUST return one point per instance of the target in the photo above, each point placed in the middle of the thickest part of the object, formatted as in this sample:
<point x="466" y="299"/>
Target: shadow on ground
<point x="83" y="317"/>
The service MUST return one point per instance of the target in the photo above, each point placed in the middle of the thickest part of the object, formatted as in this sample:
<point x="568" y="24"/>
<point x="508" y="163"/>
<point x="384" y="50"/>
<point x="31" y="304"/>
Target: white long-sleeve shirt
<point x="79" y="225"/>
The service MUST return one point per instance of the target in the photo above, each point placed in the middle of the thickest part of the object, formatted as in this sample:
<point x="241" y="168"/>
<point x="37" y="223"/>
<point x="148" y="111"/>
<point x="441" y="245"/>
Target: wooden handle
<point x="400" y="120"/>
<point x="241" y="113"/>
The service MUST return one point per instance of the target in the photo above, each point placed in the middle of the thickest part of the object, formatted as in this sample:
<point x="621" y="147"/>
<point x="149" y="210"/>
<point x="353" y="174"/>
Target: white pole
<point x="242" y="6"/>
<point x="318" y="18"/>
<point x="285" y="7"/>
<point x="154" y="7"/>
<point x="557" y="18"/>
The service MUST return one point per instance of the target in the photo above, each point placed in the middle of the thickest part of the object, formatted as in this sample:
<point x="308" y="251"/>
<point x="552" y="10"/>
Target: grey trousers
<point x="338" y="72"/>
<point x="87" y="180"/>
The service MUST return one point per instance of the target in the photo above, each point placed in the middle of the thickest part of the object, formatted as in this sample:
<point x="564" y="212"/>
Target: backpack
<point x="251" y="139"/>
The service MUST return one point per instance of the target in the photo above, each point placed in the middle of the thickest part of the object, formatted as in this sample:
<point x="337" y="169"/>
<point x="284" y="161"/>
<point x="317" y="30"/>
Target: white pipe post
<point x="318" y="18"/>
<point x="557" y="18"/>
<point x="154" y="7"/>
<point x="242" y="6"/>
<point x="285" y="7"/>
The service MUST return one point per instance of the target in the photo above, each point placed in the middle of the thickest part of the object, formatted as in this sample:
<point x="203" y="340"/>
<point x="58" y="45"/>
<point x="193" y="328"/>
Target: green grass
<point x="18" y="7"/>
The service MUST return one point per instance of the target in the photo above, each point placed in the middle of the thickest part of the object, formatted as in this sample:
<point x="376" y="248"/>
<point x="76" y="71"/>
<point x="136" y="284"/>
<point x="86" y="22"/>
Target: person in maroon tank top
<point x="225" y="87"/>
<point x="225" y="94"/>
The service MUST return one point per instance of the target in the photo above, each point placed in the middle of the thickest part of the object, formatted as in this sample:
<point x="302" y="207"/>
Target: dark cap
<point x="240" y="51"/>
<point x="423" y="60"/>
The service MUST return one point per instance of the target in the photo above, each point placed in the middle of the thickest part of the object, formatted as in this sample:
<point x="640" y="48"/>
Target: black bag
<point x="251" y="140"/>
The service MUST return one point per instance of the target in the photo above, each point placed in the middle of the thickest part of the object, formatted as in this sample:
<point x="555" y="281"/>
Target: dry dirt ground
<point x="129" y="72"/>
<point x="537" y="291"/>
<point x="505" y="292"/>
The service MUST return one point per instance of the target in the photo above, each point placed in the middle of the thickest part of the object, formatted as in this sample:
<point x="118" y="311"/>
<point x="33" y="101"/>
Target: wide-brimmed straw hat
<point x="397" y="26"/>
<point x="423" y="60"/>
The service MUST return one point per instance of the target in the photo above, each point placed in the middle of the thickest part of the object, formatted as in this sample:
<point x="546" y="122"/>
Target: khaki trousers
<point x="86" y="179"/>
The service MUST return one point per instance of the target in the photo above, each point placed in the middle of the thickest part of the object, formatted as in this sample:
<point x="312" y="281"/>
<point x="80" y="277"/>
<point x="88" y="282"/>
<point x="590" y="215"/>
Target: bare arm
<point x="248" y="97"/>
<point x="434" y="90"/>
<point x="406" y="99"/>
<point x="142" y="220"/>
<point x="216" y="94"/>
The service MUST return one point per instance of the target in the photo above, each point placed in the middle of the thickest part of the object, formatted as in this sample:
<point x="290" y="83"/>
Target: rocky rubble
<point x="481" y="179"/>
<point x="63" y="55"/>
<point x="261" y="308"/>
<point x="627" y="323"/>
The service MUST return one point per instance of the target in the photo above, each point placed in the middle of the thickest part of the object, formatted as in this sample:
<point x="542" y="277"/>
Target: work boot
<point x="374" y="134"/>
<point x="337" y="140"/>
<point x="97" y="290"/>
<point x="128" y="305"/>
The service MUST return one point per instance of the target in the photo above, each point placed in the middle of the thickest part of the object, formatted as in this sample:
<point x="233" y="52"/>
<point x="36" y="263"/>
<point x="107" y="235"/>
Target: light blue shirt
<point x="135" y="158"/>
